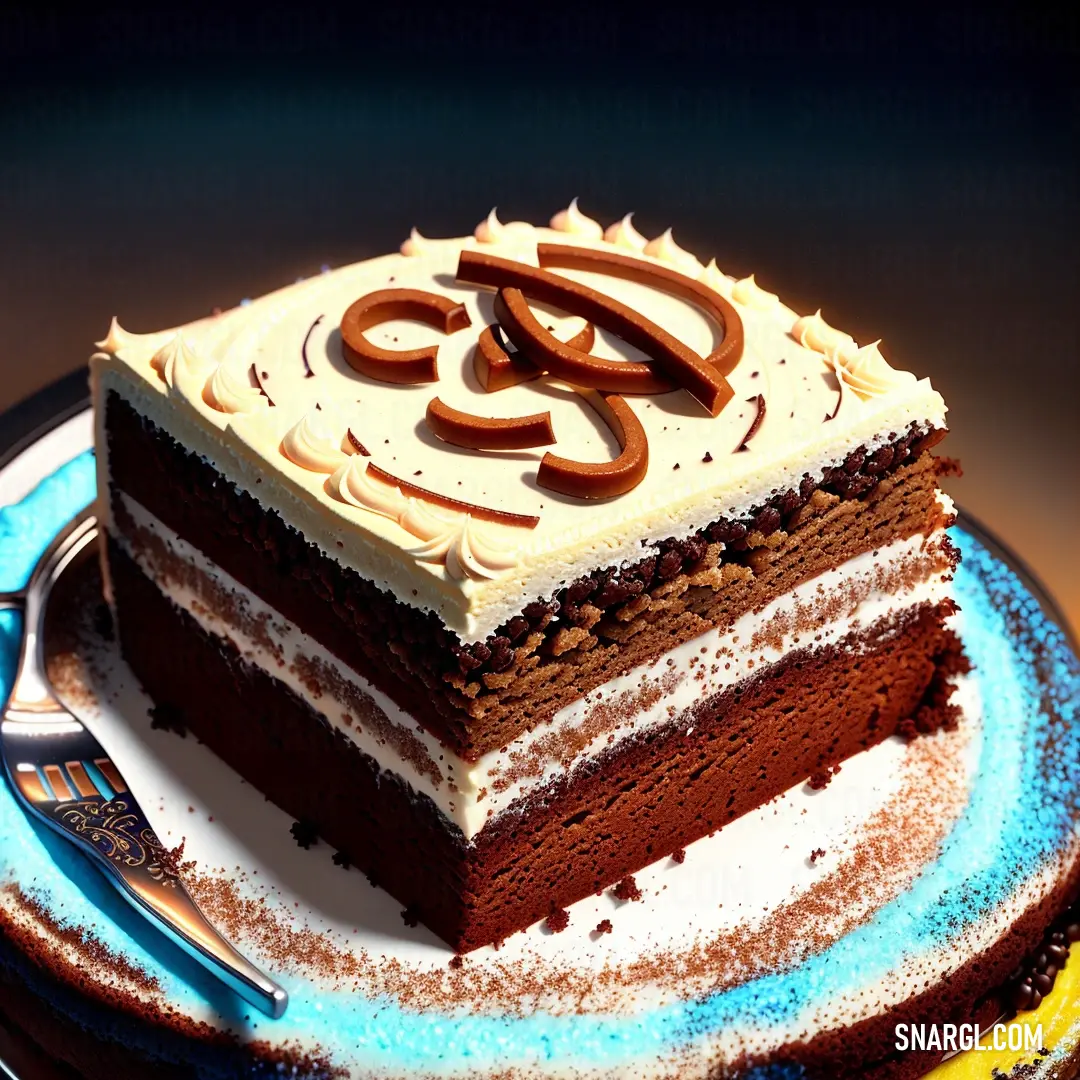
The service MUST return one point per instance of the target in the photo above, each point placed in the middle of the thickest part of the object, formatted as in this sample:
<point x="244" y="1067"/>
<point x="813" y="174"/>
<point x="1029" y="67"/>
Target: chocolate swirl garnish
<point x="759" y="401"/>
<point x="398" y="365"/>
<point x="356" y="444"/>
<point x="481" y="513"/>
<point x="496" y="368"/>
<point x="568" y="257"/>
<point x="565" y="362"/>
<point x="308" y="373"/>
<point x="685" y="367"/>
<point x="487" y="432"/>
<point x="586" y="480"/>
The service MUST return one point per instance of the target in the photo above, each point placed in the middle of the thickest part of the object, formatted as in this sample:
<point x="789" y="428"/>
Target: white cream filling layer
<point x="854" y="596"/>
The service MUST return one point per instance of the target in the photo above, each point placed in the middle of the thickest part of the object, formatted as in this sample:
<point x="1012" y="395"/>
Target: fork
<point x="64" y="778"/>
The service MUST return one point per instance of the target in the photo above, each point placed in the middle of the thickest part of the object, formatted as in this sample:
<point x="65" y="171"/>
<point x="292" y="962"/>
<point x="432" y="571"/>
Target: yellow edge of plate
<point x="1059" y="1015"/>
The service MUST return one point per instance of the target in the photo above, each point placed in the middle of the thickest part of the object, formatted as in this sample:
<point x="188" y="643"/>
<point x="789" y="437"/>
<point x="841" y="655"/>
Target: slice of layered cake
<point x="513" y="563"/>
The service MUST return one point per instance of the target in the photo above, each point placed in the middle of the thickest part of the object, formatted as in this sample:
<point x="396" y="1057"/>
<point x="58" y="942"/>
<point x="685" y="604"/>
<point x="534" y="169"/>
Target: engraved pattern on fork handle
<point x="110" y="826"/>
<point x="117" y="834"/>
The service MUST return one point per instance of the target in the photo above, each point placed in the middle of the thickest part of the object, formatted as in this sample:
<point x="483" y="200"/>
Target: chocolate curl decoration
<point x="256" y="381"/>
<point x="481" y="513"/>
<point x="398" y="365"/>
<point x="690" y="371"/>
<point x="497" y="369"/>
<point x="356" y="444"/>
<point x="486" y="432"/>
<point x="586" y="480"/>
<point x="568" y="257"/>
<point x="308" y="373"/>
<point x="759" y="401"/>
<point x="549" y="354"/>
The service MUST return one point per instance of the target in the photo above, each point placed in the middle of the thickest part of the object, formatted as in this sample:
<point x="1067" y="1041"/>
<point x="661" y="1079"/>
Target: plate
<point x="796" y="915"/>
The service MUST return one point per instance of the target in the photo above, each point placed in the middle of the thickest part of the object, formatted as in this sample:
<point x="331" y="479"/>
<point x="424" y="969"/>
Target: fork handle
<point x="118" y="837"/>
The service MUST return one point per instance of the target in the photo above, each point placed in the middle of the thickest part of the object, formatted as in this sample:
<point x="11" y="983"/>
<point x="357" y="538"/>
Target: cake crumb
<point x="558" y="921"/>
<point x="707" y="458"/>
<point x="627" y="890"/>
<point x="341" y="859"/>
<point x="820" y="780"/>
<point x="604" y="926"/>
<point x="303" y="832"/>
<point x="817" y="853"/>
<point x="409" y="917"/>
<point x="678" y="856"/>
<point x="455" y="962"/>
<point x="907" y="729"/>
<point x="168" y="718"/>
<point x="171" y="859"/>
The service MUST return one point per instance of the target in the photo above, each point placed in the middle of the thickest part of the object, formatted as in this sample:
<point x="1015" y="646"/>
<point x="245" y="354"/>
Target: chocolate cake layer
<point x="478" y="698"/>
<point x="646" y="797"/>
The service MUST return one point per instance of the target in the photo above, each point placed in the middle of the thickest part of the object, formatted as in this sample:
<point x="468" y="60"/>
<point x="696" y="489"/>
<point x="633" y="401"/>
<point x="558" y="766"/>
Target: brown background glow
<point x="916" y="181"/>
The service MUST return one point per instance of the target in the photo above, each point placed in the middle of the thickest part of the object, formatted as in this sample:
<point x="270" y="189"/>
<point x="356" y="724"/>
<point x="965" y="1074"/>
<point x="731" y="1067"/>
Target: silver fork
<point x="63" y="777"/>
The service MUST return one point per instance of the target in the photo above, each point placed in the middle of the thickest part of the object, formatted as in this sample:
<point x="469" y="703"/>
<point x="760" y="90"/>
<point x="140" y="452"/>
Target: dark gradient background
<point x="914" y="177"/>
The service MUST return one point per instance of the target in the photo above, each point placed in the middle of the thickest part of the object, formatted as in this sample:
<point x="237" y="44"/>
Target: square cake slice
<point x="513" y="563"/>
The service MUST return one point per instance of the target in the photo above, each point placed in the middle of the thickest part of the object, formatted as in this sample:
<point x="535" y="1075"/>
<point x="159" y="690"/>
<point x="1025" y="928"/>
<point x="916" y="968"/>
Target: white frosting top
<point x="492" y="231"/>
<point x="665" y="249"/>
<point x="416" y="244"/>
<point x="304" y="462"/>
<point x="230" y="391"/>
<point x="572" y="220"/>
<point x="623" y="234"/>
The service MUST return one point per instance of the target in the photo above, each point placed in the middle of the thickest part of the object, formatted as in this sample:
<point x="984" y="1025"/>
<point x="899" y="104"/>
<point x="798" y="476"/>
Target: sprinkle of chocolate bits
<point x="171" y="859"/>
<point x="1034" y="978"/>
<point x="679" y="856"/>
<point x="817" y="853"/>
<point x="409" y="917"/>
<point x="419" y="472"/>
<point x="342" y="860"/>
<point x="168" y="718"/>
<point x="676" y="466"/>
<point x="707" y="458"/>
<point x="627" y="890"/>
<point x="303" y="832"/>
<point x="604" y="927"/>
<point x="558" y="921"/>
